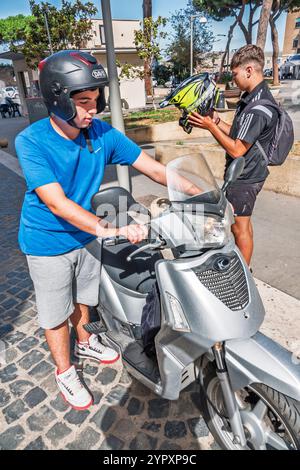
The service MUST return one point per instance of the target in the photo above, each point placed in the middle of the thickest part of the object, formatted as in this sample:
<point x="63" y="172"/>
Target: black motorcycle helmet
<point x="65" y="72"/>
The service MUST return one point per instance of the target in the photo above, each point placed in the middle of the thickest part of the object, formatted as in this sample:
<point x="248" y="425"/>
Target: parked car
<point x="10" y="92"/>
<point x="291" y="68"/>
<point x="268" y="72"/>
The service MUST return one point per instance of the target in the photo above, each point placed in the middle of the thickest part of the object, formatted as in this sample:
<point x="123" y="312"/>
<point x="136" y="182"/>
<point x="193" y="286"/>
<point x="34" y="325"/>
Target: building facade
<point x="291" y="43"/>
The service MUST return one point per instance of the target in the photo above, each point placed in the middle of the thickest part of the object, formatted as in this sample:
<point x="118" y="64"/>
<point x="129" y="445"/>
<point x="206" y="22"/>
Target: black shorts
<point x="243" y="197"/>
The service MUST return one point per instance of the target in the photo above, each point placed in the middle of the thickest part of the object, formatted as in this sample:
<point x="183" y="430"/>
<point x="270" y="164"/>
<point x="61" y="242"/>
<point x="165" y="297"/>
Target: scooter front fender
<point x="261" y="360"/>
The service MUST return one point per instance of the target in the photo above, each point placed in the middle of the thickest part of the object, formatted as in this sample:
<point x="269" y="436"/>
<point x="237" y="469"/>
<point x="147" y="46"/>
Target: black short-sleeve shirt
<point x="257" y="124"/>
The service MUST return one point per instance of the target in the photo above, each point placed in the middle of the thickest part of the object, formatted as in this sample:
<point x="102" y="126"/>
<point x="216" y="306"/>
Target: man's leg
<point x="59" y="344"/>
<point x="80" y="317"/>
<point x="243" y="234"/>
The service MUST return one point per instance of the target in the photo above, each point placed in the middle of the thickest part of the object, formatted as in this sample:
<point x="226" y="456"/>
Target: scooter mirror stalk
<point x="234" y="171"/>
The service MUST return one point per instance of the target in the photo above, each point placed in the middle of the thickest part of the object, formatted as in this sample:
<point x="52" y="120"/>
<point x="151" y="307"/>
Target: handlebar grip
<point x="113" y="241"/>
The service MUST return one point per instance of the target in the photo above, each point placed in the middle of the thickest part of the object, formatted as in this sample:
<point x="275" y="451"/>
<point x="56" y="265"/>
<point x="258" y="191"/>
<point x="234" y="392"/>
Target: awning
<point x="9" y="55"/>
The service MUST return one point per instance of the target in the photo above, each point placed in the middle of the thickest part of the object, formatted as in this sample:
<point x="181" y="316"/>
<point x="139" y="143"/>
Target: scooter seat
<point x="138" y="274"/>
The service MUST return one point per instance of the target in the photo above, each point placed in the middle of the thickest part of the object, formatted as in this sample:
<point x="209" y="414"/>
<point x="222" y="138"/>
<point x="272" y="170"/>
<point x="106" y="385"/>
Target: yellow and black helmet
<point x="197" y="93"/>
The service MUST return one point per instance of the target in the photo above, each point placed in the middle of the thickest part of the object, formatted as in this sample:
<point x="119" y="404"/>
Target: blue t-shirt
<point x="47" y="157"/>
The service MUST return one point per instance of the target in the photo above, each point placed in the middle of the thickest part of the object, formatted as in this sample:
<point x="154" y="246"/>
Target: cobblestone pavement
<point x="125" y="415"/>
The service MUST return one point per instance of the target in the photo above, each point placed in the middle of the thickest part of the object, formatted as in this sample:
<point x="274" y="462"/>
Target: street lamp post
<point x="202" y="20"/>
<point x="114" y="88"/>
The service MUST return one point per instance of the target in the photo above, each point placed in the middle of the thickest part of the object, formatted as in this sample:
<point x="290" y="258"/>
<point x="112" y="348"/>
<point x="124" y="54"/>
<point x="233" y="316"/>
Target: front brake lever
<point x="150" y="246"/>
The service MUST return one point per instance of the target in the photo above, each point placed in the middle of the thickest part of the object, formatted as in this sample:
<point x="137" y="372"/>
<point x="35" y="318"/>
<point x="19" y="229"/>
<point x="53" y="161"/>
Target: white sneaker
<point x="94" y="349"/>
<point x="73" y="390"/>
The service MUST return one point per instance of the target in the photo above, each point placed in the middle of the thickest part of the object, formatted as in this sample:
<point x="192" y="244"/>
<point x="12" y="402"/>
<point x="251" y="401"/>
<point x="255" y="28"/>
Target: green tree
<point x="12" y="29"/>
<point x="178" y="48"/>
<point x="147" y="42"/>
<point x="162" y="74"/>
<point x="69" y="27"/>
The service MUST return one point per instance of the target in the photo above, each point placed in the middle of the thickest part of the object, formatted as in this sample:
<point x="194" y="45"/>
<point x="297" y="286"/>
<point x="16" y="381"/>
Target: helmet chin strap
<point x="85" y="132"/>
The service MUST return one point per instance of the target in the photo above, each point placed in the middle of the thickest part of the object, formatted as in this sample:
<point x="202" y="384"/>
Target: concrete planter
<point x="170" y="131"/>
<point x="284" y="179"/>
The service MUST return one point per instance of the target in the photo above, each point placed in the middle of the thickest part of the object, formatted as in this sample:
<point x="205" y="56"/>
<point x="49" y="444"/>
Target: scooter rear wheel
<point x="271" y="420"/>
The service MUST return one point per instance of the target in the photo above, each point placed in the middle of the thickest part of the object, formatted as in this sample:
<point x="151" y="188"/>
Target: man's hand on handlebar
<point x="134" y="233"/>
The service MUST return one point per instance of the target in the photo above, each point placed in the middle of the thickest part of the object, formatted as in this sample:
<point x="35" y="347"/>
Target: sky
<point x="132" y="9"/>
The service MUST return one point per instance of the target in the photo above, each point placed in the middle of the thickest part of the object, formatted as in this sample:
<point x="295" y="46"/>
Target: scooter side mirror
<point x="234" y="171"/>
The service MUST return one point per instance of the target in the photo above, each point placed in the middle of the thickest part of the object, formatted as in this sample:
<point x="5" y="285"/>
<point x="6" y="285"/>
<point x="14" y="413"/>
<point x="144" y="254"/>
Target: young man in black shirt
<point x="239" y="139"/>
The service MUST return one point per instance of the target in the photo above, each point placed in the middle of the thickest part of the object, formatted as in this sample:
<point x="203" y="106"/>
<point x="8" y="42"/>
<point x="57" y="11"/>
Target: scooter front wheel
<point x="270" y="419"/>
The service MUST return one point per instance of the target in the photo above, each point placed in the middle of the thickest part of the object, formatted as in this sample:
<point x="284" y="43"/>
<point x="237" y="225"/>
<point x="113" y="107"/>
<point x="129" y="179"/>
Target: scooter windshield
<point x="190" y="181"/>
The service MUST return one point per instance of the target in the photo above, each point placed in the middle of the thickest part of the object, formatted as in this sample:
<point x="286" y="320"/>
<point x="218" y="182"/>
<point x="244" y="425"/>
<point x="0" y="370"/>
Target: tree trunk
<point x="229" y="38"/>
<point x="248" y="36"/>
<point x="263" y="23"/>
<point x="275" y="43"/>
<point x="147" y="13"/>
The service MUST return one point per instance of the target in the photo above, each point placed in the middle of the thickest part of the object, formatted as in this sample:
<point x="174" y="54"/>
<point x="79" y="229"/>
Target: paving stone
<point x="10" y="355"/>
<point x="76" y="417"/>
<point x="125" y="378"/>
<point x="42" y="370"/>
<point x="168" y="445"/>
<point x="19" y="387"/>
<point x="143" y="441"/>
<point x="38" y="444"/>
<point x="14" y="290"/>
<point x="11" y="438"/>
<point x="28" y="344"/>
<point x="198" y="427"/>
<point x="31" y="359"/>
<point x="151" y="426"/>
<point x="97" y="397"/>
<point x="183" y="407"/>
<point x="39" y="420"/>
<point x="49" y="384"/>
<point x="124" y="427"/>
<point x="24" y="294"/>
<point x="39" y="333"/>
<point x="14" y="338"/>
<point x="86" y="440"/>
<point x="158" y="408"/>
<point x="91" y="370"/>
<point x="14" y="411"/>
<point x="175" y="429"/>
<point x="112" y="443"/>
<point x="59" y="404"/>
<point x="4" y="398"/>
<point x="106" y="376"/>
<point x="58" y="432"/>
<point x="35" y="396"/>
<point x="21" y="320"/>
<point x="9" y="373"/>
<point x="118" y="396"/>
<point x="9" y="303"/>
<point x="5" y="330"/>
<point x="45" y="346"/>
<point x="104" y="418"/>
<point x="135" y="407"/>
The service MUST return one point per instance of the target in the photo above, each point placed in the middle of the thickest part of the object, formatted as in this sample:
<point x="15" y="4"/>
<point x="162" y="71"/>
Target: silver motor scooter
<point x="211" y="311"/>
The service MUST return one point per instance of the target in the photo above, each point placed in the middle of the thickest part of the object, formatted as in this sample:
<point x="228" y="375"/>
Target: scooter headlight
<point x="212" y="231"/>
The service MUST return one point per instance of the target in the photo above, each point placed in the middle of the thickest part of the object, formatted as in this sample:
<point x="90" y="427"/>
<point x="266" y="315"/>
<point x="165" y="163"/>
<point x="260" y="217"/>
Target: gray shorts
<point x="64" y="280"/>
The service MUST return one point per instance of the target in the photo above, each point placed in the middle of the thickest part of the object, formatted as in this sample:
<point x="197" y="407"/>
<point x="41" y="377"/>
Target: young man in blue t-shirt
<point x="63" y="160"/>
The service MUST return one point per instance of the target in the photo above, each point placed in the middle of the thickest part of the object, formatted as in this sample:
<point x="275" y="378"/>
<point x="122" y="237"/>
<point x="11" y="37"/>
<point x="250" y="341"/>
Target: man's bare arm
<point x="55" y="199"/>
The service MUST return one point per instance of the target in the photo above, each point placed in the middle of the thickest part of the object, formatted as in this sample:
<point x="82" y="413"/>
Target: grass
<point x="147" y="118"/>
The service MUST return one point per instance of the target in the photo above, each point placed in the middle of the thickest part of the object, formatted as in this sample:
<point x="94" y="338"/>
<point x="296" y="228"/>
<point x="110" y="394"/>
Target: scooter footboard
<point x="261" y="360"/>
